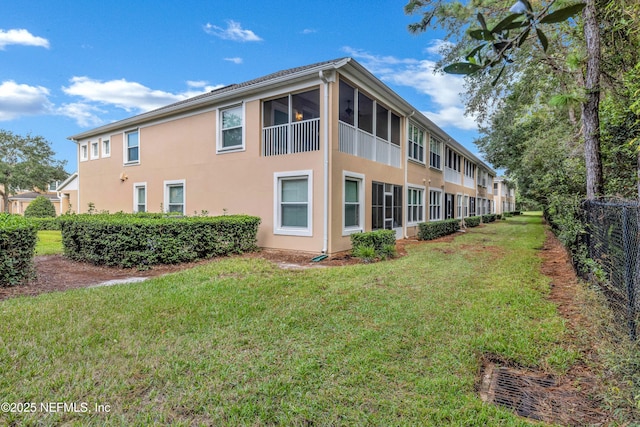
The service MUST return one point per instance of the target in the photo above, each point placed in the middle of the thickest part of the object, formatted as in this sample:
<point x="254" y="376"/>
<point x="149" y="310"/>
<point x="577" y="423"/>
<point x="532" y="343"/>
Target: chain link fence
<point x="612" y="242"/>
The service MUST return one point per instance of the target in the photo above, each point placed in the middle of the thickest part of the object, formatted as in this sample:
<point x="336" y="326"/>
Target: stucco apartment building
<point x="504" y="194"/>
<point x="318" y="152"/>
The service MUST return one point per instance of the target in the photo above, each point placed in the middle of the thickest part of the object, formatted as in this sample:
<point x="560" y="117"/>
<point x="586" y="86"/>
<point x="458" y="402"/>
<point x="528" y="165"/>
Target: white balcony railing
<point x="452" y="176"/>
<point x="469" y="182"/>
<point x="289" y="138"/>
<point x="362" y="144"/>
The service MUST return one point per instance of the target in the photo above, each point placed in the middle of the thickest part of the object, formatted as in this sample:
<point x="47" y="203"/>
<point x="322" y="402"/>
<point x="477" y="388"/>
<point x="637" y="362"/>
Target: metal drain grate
<point x="535" y="395"/>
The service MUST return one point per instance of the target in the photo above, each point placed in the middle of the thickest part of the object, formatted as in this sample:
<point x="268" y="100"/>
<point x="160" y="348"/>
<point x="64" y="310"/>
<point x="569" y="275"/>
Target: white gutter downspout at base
<point x="327" y="76"/>
<point x="406" y="168"/>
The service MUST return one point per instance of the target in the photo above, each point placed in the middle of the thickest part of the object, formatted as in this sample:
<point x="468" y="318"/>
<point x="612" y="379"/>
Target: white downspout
<point x="327" y="76"/>
<point x="406" y="176"/>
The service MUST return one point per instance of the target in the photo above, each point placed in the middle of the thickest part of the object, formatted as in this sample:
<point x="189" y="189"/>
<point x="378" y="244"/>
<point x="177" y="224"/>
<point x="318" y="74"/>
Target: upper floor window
<point x="231" y="120"/>
<point x="106" y="148"/>
<point x="95" y="150"/>
<point x="435" y="148"/>
<point x="416" y="143"/>
<point x="84" y="152"/>
<point x="469" y="168"/>
<point x="452" y="160"/>
<point x="291" y="124"/>
<point x="132" y="147"/>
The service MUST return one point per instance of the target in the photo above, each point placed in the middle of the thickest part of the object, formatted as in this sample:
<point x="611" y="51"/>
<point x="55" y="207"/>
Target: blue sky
<point x="69" y="66"/>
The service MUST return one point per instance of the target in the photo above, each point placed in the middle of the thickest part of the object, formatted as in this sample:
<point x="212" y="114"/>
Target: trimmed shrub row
<point x="377" y="239"/>
<point x="18" y="237"/>
<point x="486" y="218"/>
<point x="433" y="230"/>
<point x="472" y="221"/>
<point x="45" y="223"/>
<point x="140" y="240"/>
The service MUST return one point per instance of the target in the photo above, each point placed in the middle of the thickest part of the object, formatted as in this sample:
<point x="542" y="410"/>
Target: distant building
<point x="504" y="194"/>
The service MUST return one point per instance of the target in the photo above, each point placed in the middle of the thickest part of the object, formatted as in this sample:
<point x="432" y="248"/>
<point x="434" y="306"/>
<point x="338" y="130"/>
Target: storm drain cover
<point x="536" y="395"/>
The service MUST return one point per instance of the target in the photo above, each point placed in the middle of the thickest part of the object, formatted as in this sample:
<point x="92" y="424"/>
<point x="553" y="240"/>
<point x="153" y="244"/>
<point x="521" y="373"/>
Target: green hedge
<point x="433" y="230"/>
<point x="377" y="239"/>
<point x="128" y="240"/>
<point x="18" y="238"/>
<point x="41" y="207"/>
<point x="486" y="218"/>
<point x="46" y="223"/>
<point x="472" y="221"/>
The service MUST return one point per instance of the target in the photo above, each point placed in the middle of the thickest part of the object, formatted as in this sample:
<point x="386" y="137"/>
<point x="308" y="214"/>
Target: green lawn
<point x="241" y="342"/>
<point x="49" y="243"/>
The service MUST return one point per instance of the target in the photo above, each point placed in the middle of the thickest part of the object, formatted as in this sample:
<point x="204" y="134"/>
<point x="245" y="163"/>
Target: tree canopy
<point x="26" y="162"/>
<point x="544" y="106"/>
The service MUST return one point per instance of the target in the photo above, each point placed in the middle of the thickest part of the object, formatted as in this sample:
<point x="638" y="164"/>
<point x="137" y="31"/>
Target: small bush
<point x="128" y="240"/>
<point x="389" y="251"/>
<point x="41" y="207"/>
<point x="18" y="238"/>
<point x="379" y="240"/>
<point x="472" y="221"/>
<point x="433" y="230"/>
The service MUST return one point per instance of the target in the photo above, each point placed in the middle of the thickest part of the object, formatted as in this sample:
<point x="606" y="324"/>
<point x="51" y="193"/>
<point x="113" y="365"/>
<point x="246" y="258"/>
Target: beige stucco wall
<point x="234" y="183"/>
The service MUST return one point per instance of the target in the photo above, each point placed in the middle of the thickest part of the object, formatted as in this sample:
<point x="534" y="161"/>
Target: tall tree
<point x="26" y="162"/>
<point x="497" y="45"/>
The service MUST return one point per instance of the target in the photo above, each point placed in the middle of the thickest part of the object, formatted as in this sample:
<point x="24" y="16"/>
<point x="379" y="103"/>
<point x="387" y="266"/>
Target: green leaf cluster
<point x="18" y="238"/>
<point x="435" y="229"/>
<point x="143" y="240"/>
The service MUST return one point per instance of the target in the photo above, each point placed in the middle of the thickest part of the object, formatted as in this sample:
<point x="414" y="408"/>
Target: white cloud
<point x="234" y="31"/>
<point x="129" y="96"/>
<point x="85" y="114"/>
<point x="444" y="90"/>
<point x="17" y="100"/>
<point x="452" y="116"/>
<point x="21" y="37"/>
<point x="309" y="31"/>
<point x="235" y="60"/>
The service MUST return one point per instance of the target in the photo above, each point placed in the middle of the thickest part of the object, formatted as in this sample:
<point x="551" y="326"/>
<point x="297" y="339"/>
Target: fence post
<point x="628" y="273"/>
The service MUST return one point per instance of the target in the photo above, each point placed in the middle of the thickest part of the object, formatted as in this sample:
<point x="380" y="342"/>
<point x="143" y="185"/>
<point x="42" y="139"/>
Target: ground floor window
<point x="415" y="205"/>
<point x="140" y="197"/>
<point x="353" y="202"/>
<point x="292" y="211"/>
<point x="459" y="205"/>
<point x="435" y="205"/>
<point x="448" y="205"/>
<point x="472" y="206"/>
<point x="386" y="206"/>
<point x="174" y="196"/>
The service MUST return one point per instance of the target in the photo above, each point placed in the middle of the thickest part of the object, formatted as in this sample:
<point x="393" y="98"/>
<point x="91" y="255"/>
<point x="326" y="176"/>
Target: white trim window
<point x="95" y="150"/>
<point x="415" y="205"/>
<point x="435" y="205"/>
<point x="353" y="202"/>
<point x="106" y="147"/>
<point x="231" y="137"/>
<point x="416" y="142"/>
<point x="132" y="147"/>
<point x="459" y="205"/>
<point x="435" y="153"/>
<point x="174" y="196"/>
<point x="84" y="152"/>
<point x="140" y="197"/>
<point x="465" y="206"/>
<point x="293" y="203"/>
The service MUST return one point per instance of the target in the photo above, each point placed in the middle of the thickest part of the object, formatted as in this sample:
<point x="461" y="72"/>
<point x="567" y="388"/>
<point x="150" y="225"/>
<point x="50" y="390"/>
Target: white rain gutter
<point x="327" y="76"/>
<point x="406" y="179"/>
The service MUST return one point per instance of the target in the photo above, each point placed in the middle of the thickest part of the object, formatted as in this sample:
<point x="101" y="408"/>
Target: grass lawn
<point x="49" y="243"/>
<point x="241" y="342"/>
